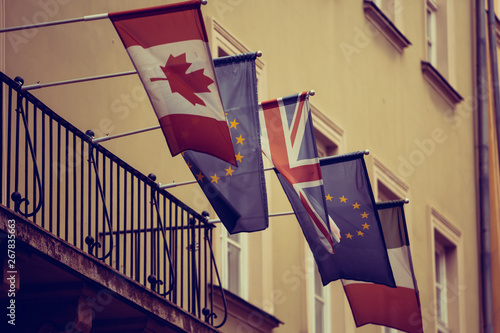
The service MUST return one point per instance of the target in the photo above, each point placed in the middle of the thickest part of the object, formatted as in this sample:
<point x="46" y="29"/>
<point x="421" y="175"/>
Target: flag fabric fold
<point x="238" y="195"/>
<point x="288" y="141"/>
<point x="362" y="254"/>
<point x="168" y="46"/>
<point x="398" y="307"/>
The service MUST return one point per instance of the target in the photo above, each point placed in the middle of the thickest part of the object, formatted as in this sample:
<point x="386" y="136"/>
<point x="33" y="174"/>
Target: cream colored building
<point x="396" y="77"/>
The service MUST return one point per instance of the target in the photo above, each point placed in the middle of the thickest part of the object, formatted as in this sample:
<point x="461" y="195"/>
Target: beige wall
<point x="377" y="95"/>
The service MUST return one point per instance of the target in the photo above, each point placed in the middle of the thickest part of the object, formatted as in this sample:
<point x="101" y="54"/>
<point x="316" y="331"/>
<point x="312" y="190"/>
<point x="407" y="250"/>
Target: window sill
<point x="440" y="84"/>
<point x="385" y="26"/>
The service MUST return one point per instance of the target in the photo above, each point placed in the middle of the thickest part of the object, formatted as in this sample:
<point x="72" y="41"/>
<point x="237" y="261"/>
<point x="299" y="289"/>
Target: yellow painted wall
<point x="376" y="94"/>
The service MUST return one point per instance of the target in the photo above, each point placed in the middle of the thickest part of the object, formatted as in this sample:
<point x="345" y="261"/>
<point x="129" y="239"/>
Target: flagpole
<point x="270" y="215"/>
<point x="392" y="204"/>
<point x="48" y="24"/>
<point x="379" y="205"/>
<point x="110" y="137"/>
<point x="99" y="77"/>
<point x="86" y="18"/>
<point x="174" y="184"/>
<point x="85" y="79"/>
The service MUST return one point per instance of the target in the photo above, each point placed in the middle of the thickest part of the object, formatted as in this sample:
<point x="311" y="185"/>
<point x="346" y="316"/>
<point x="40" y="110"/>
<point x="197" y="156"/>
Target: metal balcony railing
<point x="54" y="175"/>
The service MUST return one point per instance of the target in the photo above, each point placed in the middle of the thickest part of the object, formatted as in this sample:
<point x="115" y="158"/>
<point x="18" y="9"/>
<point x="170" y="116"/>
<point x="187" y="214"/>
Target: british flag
<point x="288" y="141"/>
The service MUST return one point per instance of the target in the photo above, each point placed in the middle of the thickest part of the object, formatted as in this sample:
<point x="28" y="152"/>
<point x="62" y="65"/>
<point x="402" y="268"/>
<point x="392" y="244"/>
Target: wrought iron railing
<point x="54" y="175"/>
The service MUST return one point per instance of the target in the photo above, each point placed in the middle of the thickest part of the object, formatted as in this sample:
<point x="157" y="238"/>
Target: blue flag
<point x="361" y="254"/>
<point x="238" y="195"/>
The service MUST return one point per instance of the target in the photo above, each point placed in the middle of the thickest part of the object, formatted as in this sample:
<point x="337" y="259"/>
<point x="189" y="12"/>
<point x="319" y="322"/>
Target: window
<point x="329" y="136"/>
<point x="223" y="44"/>
<point x="318" y="298"/>
<point x="440" y="282"/>
<point x="439" y="61"/>
<point x="319" y="303"/>
<point x="431" y="32"/>
<point x="386" y="185"/>
<point x="325" y="146"/>
<point x="447" y="274"/>
<point x="234" y="266"/>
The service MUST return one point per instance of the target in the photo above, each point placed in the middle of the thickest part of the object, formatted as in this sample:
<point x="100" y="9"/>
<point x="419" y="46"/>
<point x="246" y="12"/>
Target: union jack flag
<point x="288" y="141"/>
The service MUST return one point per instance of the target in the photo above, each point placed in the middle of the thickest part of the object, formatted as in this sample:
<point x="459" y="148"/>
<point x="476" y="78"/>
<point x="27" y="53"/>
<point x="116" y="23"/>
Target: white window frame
<point x="431" y="32"/>
<point x="447" y="241"/>
<point x="329" y="130"/>
<point x="221" y="38"/>
<point x="312" y="297"/>
<point x="243" y="262"/>
<point x="441" y="287"/>
<point x="383" y="175"/>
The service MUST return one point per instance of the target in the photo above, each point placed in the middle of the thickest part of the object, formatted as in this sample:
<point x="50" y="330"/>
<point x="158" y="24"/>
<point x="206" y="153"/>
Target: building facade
<point x="391" y="76"/>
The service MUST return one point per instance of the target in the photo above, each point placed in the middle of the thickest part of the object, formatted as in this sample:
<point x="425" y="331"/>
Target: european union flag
<point x="238" y="195"/>
<point x="361" y="254"/>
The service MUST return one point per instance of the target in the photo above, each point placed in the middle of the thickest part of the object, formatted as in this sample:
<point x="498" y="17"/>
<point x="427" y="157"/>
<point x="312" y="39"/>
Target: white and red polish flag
<point x="168" y="46"/>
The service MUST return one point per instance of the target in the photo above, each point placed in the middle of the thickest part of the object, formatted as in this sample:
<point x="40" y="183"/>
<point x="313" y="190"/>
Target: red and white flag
<point x="398" y="307"/>
<point x="168" y="46"/>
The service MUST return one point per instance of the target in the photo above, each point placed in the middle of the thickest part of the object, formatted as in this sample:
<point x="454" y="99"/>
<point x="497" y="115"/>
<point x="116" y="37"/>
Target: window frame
<point x="431" y="9"/>
<point x="328" y="134"/>
<point x="312" y="297"/>
<point x="438" y="66"/>
<point x="243" y="268"/>
<point x="441" y="286"/>
<point x="447" y="239"/>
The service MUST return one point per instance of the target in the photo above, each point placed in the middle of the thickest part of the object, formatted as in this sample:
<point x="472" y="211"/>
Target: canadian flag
<point x="168" y="46"/>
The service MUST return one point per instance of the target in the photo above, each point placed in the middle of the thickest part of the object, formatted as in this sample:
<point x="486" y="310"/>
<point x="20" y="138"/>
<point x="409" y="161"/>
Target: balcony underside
<point x="61" y="288"/>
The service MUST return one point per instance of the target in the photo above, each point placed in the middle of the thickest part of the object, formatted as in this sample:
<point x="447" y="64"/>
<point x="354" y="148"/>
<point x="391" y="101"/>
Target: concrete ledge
<point x="31" y="238"/>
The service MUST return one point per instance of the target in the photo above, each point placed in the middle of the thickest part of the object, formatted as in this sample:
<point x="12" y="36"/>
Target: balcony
<point x="88" y="243"/>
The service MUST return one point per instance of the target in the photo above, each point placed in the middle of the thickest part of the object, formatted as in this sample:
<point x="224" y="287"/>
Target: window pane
<point x="318" y="285"/>
<point x="438" y="267"/>
<point x="233" y="260"/>
<point x="235" y="237"/>
<point x="431" y="36"/>
<point x="429" y="24"/>
<point x="439" y="302"/>
<point x="319" y="307"/>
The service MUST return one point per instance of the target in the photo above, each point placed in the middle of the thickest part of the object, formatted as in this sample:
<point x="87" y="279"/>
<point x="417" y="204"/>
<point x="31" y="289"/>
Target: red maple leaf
<point x="186" y="84"/>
